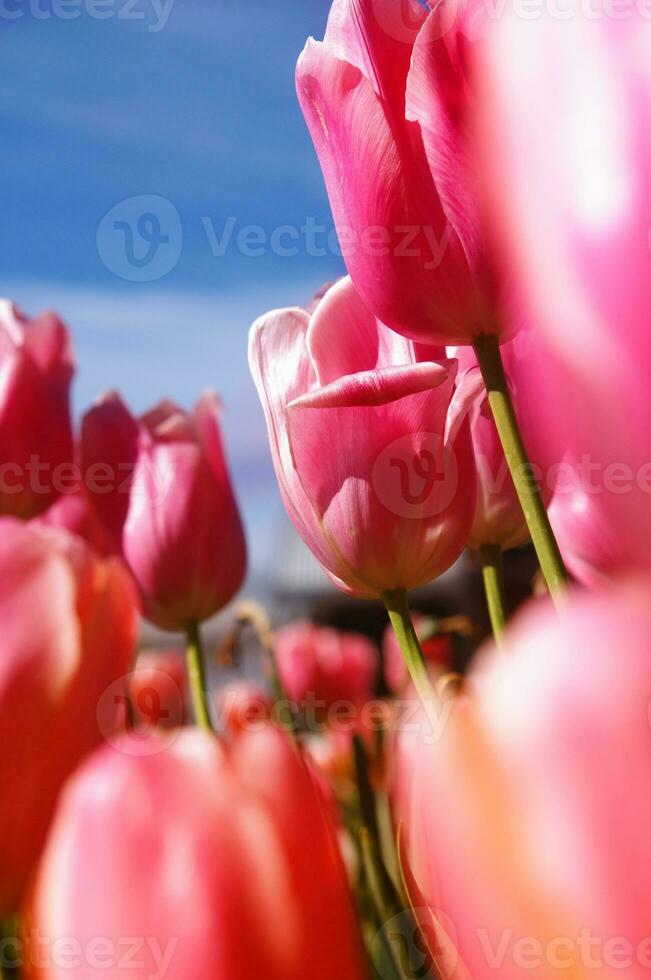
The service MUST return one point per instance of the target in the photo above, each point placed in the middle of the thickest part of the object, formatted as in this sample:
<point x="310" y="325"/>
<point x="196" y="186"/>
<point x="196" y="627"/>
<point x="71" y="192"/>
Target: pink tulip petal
<point x="375" y="388"/>
<point x="437" y="97"/>
<point x="388" y="516"/>
<point x="344" y="337"/>
<point x="376" y="37"/>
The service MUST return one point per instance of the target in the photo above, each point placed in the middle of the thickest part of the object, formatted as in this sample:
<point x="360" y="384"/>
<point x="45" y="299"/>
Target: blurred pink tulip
<point x="69" y="628"/>
<point x="109" y="451"/>
<point x="527" y="817"/>
<point x="233" y="842"/>
<point x="324" y="666"/>
<point x="75" y="512"/>
<point x="564" y="122"/>
<point x="36" y="369"/>
<point x="173" y="514"/>
<point x="383" y="96"/>
<point x="592" y="548"/>
<point x="158" y="687"/>
<point x="370" y="443"/>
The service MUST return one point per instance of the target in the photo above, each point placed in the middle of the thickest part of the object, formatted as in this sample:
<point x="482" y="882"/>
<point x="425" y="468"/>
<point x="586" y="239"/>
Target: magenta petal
<point x="376" y="36"/>
<point x="373" y="388"/>
<point x="437" y="96"/>
<point x="344" y="337"/>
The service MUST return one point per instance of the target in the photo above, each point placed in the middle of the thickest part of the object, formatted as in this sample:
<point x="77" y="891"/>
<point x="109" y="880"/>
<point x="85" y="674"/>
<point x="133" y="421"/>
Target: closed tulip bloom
<point x="36" y="369"/>
<point x="69" y="628"/>
<point x="528" y="815"/>
<point x="563" y="123"/>
<point x="235" y="845"/>
<point x="180" y="531"/>
<point x="317" y="662"/>
<point x="371" y="446"/>
<point x="384" y="97"/>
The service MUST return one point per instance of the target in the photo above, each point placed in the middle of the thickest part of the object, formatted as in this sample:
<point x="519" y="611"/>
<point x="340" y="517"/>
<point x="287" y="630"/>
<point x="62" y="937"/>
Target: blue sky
<point x="191" y="102"/>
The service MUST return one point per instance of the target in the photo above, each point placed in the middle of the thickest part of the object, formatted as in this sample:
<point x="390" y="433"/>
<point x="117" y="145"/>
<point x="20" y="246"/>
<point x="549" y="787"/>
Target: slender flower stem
<point x="397" y="605"/>
<point x="491" y="564"/>
<point x="197" y="677"/>
<point x="488" y="353"/>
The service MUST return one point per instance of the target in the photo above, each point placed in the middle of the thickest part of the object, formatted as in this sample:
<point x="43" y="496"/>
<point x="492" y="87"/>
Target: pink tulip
<point x="591" y="545"/>
<point x="528" y="816"/>
<point x="383" y="96"/>
<point x="372" y="452"/>
<point x="69" y="627"/>
<point x="323" y="666"/>
<point x="75" y="512"/>
<point x="563" y="124"/>
<point x="36" y="369"/>
<point x="109" y="452"/>
<point x="158" y="689"/>
<point x="221" y="859"/>
<point x="173" y="513"/>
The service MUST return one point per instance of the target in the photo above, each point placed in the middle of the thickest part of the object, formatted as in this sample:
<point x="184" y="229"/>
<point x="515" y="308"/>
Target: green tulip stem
<point x="489" y="356"/>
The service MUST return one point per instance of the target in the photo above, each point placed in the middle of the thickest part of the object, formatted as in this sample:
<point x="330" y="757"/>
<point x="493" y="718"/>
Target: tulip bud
<point x="370" y="445"/>
<point x="401" y="186"/>
<point x="36" y="369"/>
<point x="69" y="628"/>
<point x="234" y="843"/>
<point x="173" y="515"/>
<point x="527" y="811"/>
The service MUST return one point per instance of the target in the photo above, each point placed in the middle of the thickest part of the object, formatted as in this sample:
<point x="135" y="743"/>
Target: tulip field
<point x="202" y="785"/>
